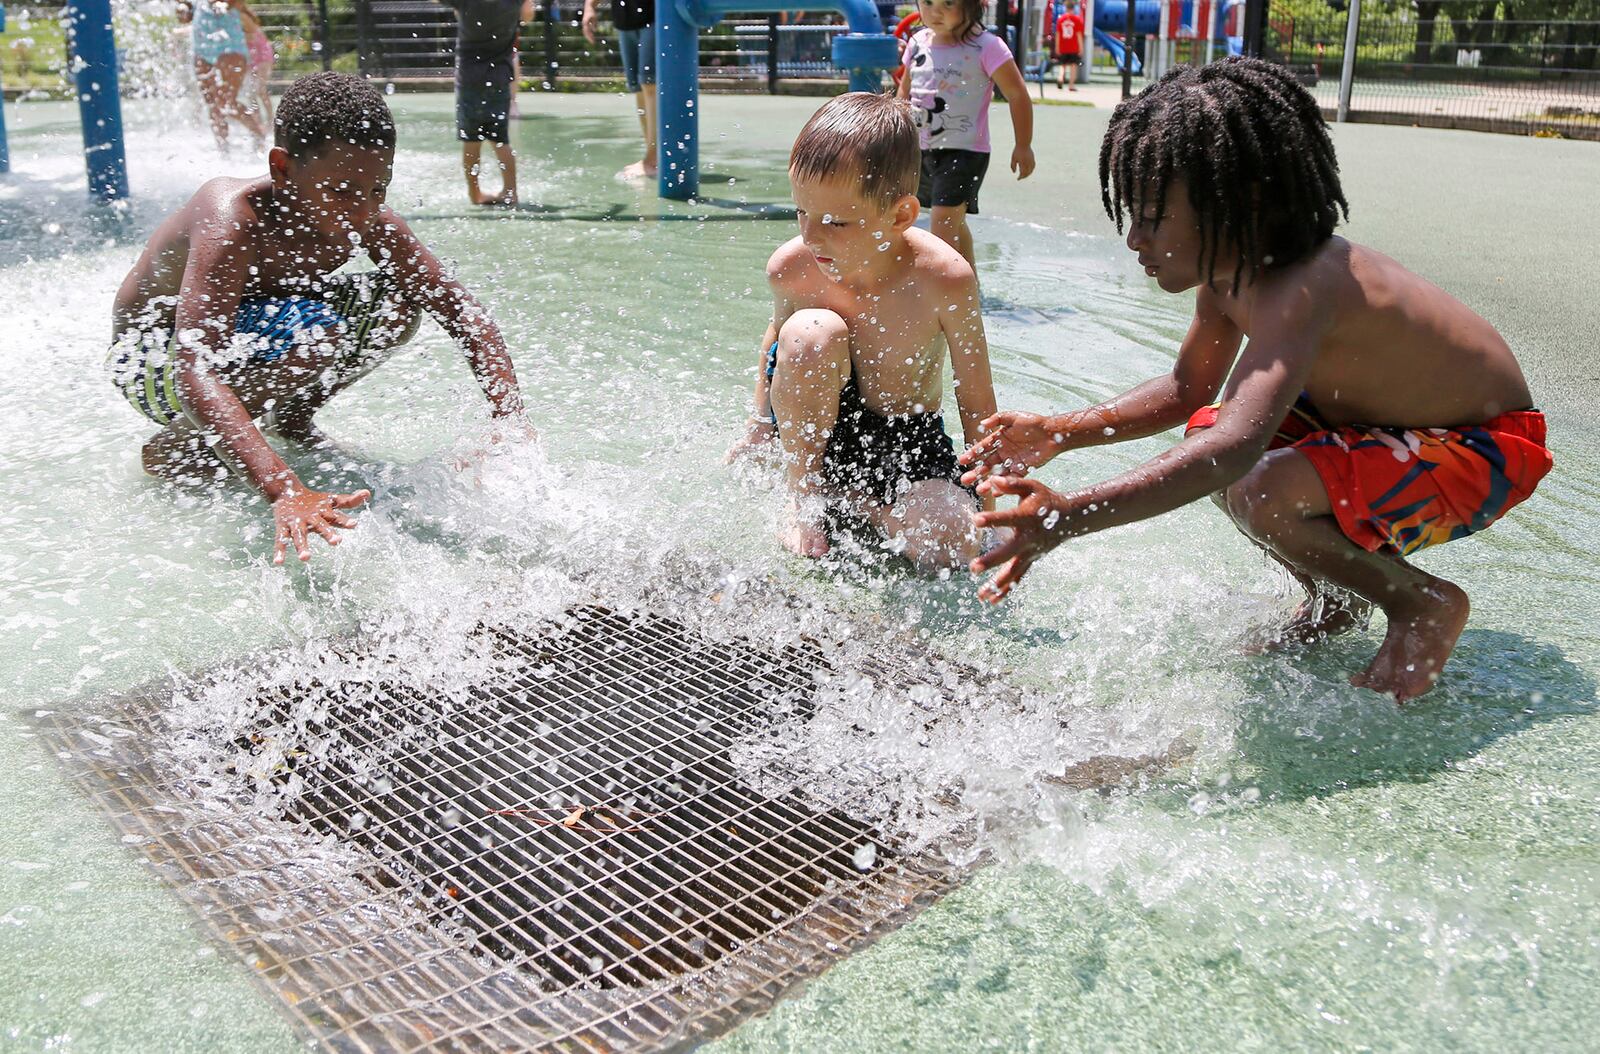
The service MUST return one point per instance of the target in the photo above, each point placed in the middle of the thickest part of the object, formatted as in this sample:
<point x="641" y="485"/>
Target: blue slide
<point x="1114" y="48"/>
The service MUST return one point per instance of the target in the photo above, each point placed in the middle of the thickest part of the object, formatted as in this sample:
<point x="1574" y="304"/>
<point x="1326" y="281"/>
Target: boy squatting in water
<point x="231" y="315"/>
<point x="852" y="362"/>
<point x="1369" y="415"/>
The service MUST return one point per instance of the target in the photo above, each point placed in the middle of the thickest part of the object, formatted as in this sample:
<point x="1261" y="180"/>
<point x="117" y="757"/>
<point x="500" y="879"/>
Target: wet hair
<point x="864" y="136"/>
<point x="1250" y="143"/>
<point x="332" y="108"/>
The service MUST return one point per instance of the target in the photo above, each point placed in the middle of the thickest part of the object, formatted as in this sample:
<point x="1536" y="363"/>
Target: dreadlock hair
<point x="1250" y="143"/>
<point x="332" y="108"/>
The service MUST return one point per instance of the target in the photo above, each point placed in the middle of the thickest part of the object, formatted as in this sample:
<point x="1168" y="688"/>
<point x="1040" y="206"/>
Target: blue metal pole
<point x="5" y="151"/>
<point x="94" y="51"/>
<point x="866" y="51"/>
<point x="677" y="101"/>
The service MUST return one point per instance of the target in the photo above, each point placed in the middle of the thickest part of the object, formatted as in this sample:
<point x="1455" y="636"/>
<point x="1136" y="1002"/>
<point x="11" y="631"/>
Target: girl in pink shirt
<point x="952" y="66"/>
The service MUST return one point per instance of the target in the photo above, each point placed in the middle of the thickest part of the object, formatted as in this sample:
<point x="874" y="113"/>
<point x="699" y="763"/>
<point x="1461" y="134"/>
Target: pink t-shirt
<point x="951" y="87"/>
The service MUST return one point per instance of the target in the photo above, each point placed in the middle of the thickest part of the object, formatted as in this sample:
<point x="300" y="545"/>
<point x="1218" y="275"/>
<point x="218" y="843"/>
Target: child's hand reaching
<point x="1035" y="525"/>
<point x="1013" y="442"/>
<point x="1022" y="161"/>
<point x="300" y="512"/>
<point x="516" y="429"/>
<point x="754" y="441"/>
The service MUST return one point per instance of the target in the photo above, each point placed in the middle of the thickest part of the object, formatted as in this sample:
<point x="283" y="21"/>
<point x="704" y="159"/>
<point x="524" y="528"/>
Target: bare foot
<point x="637" y="170"/>
<point x="480" y="197"/>
<point x="507" y="199"/>
<point x="1314" y="621"/>
<point x="805" y="535"/>
<point x="1422" y="632"/>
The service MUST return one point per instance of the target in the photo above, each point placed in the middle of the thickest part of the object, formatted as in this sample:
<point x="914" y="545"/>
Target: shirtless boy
<point x="852" y="364"/>
<point x="1369" y="415"/>
<point x="233" y="312"/>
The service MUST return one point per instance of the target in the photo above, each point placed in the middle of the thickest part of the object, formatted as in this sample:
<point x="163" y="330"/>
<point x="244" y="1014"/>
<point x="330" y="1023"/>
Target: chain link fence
<point x="413" y="41"/>
<point x="1523" y="66"/>
<point x="1455" y="64"/>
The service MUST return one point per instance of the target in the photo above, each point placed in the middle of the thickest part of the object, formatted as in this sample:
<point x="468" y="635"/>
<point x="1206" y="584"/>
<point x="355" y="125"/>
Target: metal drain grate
<point x="567" y="859"/>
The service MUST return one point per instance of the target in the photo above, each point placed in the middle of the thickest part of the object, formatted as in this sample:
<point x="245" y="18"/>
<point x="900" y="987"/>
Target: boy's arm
<point x="591" y="21"/>
<point x="761" y="426"/>
<point x="962" y="324"/>
<point x="1017" y="441"/>
<point x="1289" y="325"/>
<point x="207" y="304"/>
<point x="422" y="277"/>
<point x="1009" y="80"/>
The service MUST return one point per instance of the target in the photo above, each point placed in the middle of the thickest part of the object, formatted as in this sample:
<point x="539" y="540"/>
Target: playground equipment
<point x="1166" y="21"/>
<point x="866" y="51"/>
<point x="92" y="46"/>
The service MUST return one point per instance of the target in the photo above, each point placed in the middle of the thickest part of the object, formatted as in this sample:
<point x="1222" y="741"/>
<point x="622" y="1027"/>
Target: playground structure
<point x="1163" y="23"/>
<point x="866" y="52"/>
<point x="94" y="63"/>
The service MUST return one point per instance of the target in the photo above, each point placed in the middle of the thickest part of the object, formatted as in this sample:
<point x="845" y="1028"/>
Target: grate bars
<point x="566" y="859"/>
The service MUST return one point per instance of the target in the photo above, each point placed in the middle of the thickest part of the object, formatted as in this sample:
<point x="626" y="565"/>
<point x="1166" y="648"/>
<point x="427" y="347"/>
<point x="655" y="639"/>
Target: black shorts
<point x="483" y="100"/>
<point x="951" y="177"/>
<point x="881" y="456"/>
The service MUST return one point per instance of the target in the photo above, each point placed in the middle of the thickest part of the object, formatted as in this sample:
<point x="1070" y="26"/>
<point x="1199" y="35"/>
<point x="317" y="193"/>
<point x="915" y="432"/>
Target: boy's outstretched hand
<point x="1013" y="442"/>
<point x="300" y="512"/>
<point x="1035" y="529"/>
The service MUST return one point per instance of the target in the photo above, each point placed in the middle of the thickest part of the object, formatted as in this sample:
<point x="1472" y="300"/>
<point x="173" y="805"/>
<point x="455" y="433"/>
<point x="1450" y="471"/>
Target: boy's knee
<point x="813" y="326"/>
<point x="399" y="323"/>
<point x="1255" y="504"/>
<point x="814" y="338"/>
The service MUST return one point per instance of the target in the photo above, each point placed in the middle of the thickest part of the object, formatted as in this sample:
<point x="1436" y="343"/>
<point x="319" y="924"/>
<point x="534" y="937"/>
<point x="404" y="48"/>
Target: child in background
<point x="262" y="58"/>
<point x="953" y="66"/>
<point x="1067" y="43"/>
<point x="486" y="38"/>
<point x="851" y="375"/>
<point x="1368" y="415"/>
<point x="220" y="64"/>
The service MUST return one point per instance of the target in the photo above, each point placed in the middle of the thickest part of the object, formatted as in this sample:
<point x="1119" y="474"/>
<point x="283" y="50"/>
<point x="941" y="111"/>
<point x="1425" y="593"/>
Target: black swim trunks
<point x="880" y="456"/>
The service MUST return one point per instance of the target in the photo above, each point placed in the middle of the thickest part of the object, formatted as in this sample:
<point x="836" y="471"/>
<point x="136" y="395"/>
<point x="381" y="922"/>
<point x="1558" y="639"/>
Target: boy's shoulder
<point x="935" y="260"/>
<point x="226" y="201"/>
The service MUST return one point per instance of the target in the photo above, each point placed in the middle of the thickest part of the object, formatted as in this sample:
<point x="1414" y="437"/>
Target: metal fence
<point x="415" y="40"/>
<point x="1453" y="65"/>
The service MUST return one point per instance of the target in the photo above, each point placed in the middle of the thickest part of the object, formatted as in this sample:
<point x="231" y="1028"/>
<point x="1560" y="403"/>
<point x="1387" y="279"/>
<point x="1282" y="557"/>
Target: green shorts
<point x="344" y="311"/>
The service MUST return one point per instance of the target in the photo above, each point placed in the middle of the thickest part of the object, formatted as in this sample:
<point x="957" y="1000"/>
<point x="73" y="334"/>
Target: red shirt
<point x="1069" y="30"/>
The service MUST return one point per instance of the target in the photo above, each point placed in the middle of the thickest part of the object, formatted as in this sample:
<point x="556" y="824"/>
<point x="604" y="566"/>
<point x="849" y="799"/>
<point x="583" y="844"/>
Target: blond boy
<point x="852" y="364"/>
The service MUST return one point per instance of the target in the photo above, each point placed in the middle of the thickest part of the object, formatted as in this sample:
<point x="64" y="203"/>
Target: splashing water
<point x="1315" y="860"/>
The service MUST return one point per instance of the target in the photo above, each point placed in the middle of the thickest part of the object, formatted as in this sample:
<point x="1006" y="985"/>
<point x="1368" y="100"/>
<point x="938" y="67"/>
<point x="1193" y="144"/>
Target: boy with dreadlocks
<point x="1369" y="416"/>
<point x="233" y="314"/>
